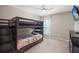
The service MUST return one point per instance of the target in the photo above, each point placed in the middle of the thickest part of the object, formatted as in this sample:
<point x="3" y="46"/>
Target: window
<point x="46" y="27"/>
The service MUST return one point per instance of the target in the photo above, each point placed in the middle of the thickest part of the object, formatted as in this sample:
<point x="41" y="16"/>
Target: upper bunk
<point x="27" y="23"/>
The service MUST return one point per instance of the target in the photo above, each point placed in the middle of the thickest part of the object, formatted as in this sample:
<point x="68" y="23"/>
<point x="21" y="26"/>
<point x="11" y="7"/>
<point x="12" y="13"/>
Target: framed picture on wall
<point x="75" y="13"/>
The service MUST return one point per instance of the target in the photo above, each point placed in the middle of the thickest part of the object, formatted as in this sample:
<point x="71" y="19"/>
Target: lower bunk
<point x="28" y="42"/>
<point x="25" y="48"/>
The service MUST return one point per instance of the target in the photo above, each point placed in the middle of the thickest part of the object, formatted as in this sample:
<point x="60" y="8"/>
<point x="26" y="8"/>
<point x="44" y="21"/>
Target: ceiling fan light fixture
<point x="43" y="10"/>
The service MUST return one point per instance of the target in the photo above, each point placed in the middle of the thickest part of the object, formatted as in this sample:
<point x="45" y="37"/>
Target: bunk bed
<point x="6" y="37"/>
<point x="25" y="33"/>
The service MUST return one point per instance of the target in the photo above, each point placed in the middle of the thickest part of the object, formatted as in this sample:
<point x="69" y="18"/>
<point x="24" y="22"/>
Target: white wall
<point x="76" y="26"/>
<point x="61" y="24"/>
<point x="10" y="12"/>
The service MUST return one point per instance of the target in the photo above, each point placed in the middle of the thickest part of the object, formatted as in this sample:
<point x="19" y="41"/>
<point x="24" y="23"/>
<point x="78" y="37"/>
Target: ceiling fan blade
<point x="50" y="8"/>
<point x="43" y="7"/>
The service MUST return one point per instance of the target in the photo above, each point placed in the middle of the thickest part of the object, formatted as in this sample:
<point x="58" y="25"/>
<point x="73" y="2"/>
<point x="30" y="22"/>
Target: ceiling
<point x="51" y="9"/>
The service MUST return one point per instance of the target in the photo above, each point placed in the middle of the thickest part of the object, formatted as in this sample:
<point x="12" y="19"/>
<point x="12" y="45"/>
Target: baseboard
<point x="56" y="38"/>
<point x="62" y="39"/>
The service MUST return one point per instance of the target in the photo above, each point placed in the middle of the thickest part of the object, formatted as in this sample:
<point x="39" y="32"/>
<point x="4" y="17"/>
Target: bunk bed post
<point x="16" y="27"/>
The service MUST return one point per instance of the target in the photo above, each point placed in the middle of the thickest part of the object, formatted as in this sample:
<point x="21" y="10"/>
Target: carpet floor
<point x="50" y="46"/>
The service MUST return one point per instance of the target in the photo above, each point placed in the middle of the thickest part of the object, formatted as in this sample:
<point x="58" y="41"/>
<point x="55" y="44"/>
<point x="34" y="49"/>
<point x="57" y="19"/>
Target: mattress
<point x="28" y="40"/>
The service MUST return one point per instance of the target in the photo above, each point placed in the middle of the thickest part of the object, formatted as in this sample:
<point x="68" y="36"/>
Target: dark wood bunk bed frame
<point x="15" y="23"/>
<point x="6" y="37"/>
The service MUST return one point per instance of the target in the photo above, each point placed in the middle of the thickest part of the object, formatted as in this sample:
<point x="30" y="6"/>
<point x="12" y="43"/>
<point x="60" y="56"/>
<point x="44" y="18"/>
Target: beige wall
<point x="9" y="12"/>
<point x="61" y="24"/>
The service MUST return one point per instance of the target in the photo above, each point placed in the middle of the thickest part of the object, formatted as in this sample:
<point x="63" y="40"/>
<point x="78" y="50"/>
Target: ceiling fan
<point x="44" y="7"/>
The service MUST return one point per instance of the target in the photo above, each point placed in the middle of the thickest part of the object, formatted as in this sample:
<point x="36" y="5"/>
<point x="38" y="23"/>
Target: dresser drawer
<point x="4" y="39"/>
<point x="4" y="31"/>
<point x="6" y="47"/>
